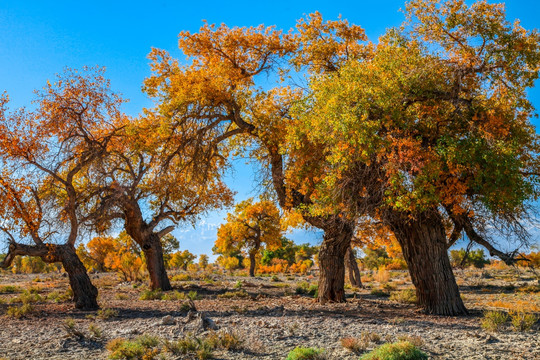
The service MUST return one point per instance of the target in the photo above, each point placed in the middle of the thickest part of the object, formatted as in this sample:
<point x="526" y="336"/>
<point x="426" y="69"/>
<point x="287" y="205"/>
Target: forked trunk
<point x="352" y="268"/>
<point x="153" y="252"/>
<point x="336" y="241"/>
<point x="84" y="292"/>
<point x="423" y="242"/>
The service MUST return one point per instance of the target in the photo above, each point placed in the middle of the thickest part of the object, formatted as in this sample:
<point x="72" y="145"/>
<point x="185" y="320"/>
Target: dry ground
<point x="271" y="320"/>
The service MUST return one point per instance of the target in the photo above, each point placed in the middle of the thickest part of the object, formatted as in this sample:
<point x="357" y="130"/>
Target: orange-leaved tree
<point x="251" y="228"/>
<point x="218" y="93"/>
<point x="44" y="154"/>
<point x="156" y="175"/>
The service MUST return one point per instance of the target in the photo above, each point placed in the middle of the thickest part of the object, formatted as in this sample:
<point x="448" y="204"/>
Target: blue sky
<point x="39" y="38"/>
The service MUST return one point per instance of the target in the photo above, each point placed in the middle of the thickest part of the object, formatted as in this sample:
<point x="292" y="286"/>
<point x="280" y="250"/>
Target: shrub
<point x="174" y="295"/>
<point x="228" y="340"/>
<point x="379" y="293"/>
<point x="382" y="276"/>
<point x="143" y="347"/>
<point x="493" y="320"/>
<point x="301" y="353"/>
<point x="27" y="297"/>
<point x="20" y="311"/>
<point x="413" y="339"/>
<point x="234" y="294"/>
<point x="181" y="277"/>
<point x="353" y="344"/>
<point x="59" y="297"/>
<point x="9" y="289"/>
<point x="95" y="330"/>
<point x="151" y="295"/>
<point x="522" y="321"/>
<point x="304" y="288"/>
<point x="407" y="296"/>
<point x="370" y="336"/>
<point x="107" y="313"/>
<point x="401" y="350"/>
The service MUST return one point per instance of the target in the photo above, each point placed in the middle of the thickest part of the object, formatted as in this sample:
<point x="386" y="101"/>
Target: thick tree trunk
<point x="337" y="240"/>
<point x="153" y="252"/>
<point x="252" y="264"/>
<point x="423" y="241"/>
<point x="352" y="268"/>
<point x="84" y="292"/>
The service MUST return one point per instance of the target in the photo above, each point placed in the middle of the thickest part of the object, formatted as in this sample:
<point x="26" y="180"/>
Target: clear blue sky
<point x="39" y="38"/>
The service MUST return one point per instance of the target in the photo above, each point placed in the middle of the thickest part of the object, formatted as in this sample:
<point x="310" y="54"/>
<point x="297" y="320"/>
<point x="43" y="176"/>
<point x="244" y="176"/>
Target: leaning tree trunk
<point x="423" y="242"/>
<point x="153" y="252"/>
<point x="352" y="268"/>
<point x="84" y="292"/>
<point x="336" y="241"/>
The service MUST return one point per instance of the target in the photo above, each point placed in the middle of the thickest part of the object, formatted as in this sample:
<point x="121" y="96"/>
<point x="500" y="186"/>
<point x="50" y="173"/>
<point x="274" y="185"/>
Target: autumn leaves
<point x="424" y="133"/>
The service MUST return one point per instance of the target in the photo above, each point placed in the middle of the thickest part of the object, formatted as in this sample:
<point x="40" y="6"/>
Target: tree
<point x="429" y="135"/>
<point x="252" y="227"/>
<point x="44" y="154"/>
<point x="181" y="259"/>
<point x="203" y="261"/>
<point x="96" y="251"/>
<point x="217" y="94"/>
<point x="153" y="180"/>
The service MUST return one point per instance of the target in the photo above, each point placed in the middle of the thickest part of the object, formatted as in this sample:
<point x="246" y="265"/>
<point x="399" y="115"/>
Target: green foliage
<point x="9" y="289"/>
<point x="181" y="260"/>
<point x="493" y="320"/>
<point x="522" y="321"/>
<point x="407" y="296"/>
<point x="20" y="311"/>
<point x="151" y="295"/>
<point x="460" y="258"/>
<point x="234" y="294"/>
<point x="402" y="350"/>
<point x="375" y="258"/>
<point x="379" y="293"/>
<point x="305" y="288"/>
<point x="143" y="347"/>
<point x="107" y="313"/>
<point x="301" y="353"/>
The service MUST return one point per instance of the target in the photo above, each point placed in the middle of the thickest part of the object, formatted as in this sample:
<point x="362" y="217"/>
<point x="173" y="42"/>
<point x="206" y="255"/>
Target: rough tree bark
<point x="84" y="292"/>
<point x="352" y="268"/>
<point x="424" y="245"/>
<point x="337" y="239"/>
<point x="153" y="252"/>
<point x="252" y="259"/>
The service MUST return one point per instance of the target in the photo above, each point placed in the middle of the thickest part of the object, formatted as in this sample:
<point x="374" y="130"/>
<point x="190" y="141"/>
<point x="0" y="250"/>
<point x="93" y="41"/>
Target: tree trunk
<point x="352" y="267"/>
<point x="252" y="264"/>
<point x="423" y="241"/>
<point x="84" y="292"/>
<point x="336" y="241"/>
<point x="153" y="252"/>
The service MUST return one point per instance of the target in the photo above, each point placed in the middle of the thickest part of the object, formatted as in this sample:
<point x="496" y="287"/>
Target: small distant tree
<point x="250" y="228"/>
<point x="463" y="258"/>
<point x="93" y="255"/>
<point x="203" y="261"/>
<point x="181" y="260"/>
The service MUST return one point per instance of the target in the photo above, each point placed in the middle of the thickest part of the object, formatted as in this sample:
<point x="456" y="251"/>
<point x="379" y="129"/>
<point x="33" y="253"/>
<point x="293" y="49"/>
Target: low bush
<point x="493" y="320"/>
<point x="401" y="350"/>
<point x="354" y="345"/>
<point x="301" y="353"/>
<point x="20" y="311"/>
<point x="234" y="294"/>
<point x="151" y="295"/>
<point x="143" y="347"/>
<point x="407" y="296"/>
<point x="522" y="321"/>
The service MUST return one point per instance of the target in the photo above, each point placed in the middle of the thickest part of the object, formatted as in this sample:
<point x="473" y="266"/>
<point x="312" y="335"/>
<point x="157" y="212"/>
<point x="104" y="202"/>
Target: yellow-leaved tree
<point x="251" y="228"/>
